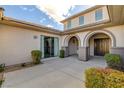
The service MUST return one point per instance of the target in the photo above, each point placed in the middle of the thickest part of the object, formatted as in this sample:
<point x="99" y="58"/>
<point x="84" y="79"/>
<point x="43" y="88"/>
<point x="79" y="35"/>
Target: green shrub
<point x="62" y="54"/>
<point x="104" y="78"/>
<point x="1" y="82"/>
<point x="94" y="78"/>
<point x="36" y="56"/>
<point x="2" y="67"/>
<point x="113" y="60"/>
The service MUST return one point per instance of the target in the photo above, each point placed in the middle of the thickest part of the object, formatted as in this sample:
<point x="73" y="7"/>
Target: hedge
<point x="113" y="61"/>
<point x="62" y="54"/>
<point x="36" y="56"/>
<point x="2" y="67"/>
<point x="104" y="78"/>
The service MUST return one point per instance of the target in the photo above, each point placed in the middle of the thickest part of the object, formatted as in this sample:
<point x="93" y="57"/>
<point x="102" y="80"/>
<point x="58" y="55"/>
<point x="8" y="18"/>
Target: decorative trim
<point x="67" y="38"/>
<point x="107" y="32"/>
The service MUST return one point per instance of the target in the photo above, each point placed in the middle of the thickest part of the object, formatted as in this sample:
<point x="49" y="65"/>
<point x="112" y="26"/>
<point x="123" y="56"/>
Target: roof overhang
<point x="81" y="13"/>
<point x="116" y="17"/>
<point x="116" y="14"/>
<point x="28" y="25"/>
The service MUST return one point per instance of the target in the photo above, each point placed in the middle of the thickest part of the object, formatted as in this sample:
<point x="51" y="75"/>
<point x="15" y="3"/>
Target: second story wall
<point x="94" y="16"/>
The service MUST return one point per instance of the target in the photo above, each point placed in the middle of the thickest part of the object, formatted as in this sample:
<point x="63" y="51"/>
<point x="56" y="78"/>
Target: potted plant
<point x="36" y="56"/>
<point x="2" y="68"/>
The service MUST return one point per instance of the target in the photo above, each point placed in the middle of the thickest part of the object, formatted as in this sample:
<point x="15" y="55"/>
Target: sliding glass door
<point x="56" y="46"/>
<point x="49" y="46"/>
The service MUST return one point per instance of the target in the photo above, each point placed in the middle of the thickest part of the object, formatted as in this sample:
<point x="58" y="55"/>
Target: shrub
<point x="104" y="78"/>
<point x="36" y="56"/>
<point x="1" y="82"/>
<point x="113" y="60"/>
<point x="62" y="54"/>
<point x="94" y="78"/>
<point x="115" y="80"/>
<point x="2" y="67"/>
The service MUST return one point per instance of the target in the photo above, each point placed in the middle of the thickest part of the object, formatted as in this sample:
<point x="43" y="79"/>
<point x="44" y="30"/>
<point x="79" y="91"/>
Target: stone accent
<point x="66" y="51"/>
<point x="83" y="53"/>
<point x="118" y="50"/>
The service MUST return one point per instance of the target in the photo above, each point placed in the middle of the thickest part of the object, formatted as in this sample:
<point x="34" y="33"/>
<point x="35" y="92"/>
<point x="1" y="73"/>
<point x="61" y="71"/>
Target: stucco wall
<point x="17" y="43"/>
<point x="89" y="18"/>
<point x="117" y="31"/>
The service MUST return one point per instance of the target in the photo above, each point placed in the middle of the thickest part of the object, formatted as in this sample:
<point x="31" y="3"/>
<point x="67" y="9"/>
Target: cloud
<point x="56" y="11"/>
<point x="32" y="9"/>
<point x="27" y="9"/>
<point x="42" y="20"/>
<point x="23" y="8"/>
<point x="50" y="26"/>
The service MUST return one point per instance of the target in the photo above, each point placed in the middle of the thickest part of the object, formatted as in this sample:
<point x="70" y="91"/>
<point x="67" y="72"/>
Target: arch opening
<point x="73" y="45"/>
<point x="106" y="32"/>
<point x="99" y="44"/>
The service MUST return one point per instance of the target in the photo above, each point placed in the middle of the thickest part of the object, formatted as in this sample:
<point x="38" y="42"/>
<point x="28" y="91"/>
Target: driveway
<point x="54" y="73"/>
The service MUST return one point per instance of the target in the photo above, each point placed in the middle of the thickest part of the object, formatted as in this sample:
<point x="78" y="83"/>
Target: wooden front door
<point x="101" y="46"/>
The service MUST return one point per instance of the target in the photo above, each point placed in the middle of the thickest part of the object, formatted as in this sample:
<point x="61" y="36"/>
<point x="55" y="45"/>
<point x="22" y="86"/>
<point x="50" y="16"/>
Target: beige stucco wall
<point x="89" y="18"/>
<point x="17" y="43"/>
<point x="117" y="31"/>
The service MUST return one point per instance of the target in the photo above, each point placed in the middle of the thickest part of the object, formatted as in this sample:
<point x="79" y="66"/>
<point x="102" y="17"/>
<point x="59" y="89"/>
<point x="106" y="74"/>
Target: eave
<point x="28" y="25"/>
<point x="116" y="17"/>
<point x="81" y="13"/>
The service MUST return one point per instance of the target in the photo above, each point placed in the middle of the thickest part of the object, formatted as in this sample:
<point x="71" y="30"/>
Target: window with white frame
<point x="81" y="20"/>
<point x="98" y="14"/>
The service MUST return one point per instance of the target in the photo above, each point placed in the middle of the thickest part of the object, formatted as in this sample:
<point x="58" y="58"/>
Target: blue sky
<point x="44" y="14"/>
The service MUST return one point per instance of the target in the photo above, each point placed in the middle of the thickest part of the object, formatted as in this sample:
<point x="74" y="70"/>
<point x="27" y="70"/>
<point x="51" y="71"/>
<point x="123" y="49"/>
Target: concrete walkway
<point x="54" y="73"/>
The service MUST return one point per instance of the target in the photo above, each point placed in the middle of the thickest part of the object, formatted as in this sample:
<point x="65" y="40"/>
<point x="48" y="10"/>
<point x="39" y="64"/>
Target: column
<point x="83" y="53"/>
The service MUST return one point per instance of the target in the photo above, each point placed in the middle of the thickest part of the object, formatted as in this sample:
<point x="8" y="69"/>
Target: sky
<point x="43" y="14"/>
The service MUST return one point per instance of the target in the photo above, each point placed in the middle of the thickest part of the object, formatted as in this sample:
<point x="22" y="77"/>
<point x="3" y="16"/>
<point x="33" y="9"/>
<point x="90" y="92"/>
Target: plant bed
<point x="104" y="78"/>
<point x="1" y="82"/>
<point x="19" y="66"/>
<point x="1" y="76"/>
<point x="2" y="68"/>
<point x="36" y="57"/>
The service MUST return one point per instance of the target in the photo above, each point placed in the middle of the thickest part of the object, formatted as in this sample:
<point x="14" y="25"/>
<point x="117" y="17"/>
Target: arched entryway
<point x="99" y="43"/>
<point x="73" y="45"/>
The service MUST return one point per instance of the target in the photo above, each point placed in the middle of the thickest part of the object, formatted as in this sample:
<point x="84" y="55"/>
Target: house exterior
<point x="93" y="32"/>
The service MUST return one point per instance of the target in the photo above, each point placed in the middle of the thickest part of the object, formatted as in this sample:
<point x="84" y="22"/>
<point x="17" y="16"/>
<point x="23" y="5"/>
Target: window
<point x="69" y="24"/>
<point x="81" y="20"/>
<point x="98" y="15"/>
